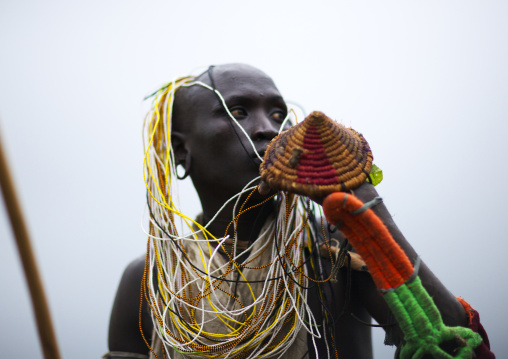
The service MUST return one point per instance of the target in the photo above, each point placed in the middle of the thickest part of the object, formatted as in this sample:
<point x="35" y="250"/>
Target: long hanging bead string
<point x="159" y="188"/>
<point x="286" y="284"/>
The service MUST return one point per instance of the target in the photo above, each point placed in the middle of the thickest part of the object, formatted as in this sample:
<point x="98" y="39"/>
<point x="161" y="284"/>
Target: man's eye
<point x="238" y="112"/>
<point x="279" y="116"/>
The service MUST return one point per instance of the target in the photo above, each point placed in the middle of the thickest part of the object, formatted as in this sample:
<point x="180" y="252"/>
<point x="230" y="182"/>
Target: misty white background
<point x="426" y="82"/>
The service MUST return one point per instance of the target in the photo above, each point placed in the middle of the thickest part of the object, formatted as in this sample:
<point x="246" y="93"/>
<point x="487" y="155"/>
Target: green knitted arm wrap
<point x="423" y="327"/>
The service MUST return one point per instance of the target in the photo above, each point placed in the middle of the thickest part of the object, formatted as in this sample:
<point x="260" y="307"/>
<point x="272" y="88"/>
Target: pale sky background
<point x="426" y="82"/>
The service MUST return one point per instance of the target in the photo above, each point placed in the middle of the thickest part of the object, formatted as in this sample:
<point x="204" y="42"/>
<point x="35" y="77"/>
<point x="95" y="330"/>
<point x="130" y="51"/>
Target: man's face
<point x="222" y="160"/>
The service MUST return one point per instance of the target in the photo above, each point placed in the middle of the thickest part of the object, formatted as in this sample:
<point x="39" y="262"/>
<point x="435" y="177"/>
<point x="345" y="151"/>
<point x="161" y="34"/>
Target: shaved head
<point x="190" y="99"/>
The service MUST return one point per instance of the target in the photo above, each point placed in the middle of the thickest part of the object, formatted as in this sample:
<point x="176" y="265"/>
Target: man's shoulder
<point x="124" y="328"/>
<point x="135" y="269"/>
<point x="130" y="284"/>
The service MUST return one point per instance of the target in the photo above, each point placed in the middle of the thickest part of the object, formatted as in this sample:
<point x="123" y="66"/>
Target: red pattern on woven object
<point x="387" y="262"/>
<point x="314" y="166"/>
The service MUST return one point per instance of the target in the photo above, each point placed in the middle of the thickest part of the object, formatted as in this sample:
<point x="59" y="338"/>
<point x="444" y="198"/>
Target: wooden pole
<point x="39" y="303"/>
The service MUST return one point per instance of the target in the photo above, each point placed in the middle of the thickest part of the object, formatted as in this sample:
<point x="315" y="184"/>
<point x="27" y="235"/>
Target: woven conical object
<point x="317" y="157"/>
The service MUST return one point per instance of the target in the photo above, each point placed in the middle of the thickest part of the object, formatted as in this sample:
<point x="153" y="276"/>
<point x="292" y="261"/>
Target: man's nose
<point x="264" y="128"/>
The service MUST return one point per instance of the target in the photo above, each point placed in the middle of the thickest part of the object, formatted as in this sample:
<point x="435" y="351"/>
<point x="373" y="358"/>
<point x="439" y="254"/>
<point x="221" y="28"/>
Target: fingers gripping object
<point x="398" y="281"/>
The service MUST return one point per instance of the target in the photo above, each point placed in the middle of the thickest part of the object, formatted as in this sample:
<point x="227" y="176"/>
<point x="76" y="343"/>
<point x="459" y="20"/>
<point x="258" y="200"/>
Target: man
<point x="221" y="158"/>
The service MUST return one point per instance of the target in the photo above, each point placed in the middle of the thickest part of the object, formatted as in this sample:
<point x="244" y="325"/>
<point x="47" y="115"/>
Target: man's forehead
<point x="246" y="80"/>
<point x="235" y="80"/>
<point x="232" y="81"/>
<point x="233" y="71"/>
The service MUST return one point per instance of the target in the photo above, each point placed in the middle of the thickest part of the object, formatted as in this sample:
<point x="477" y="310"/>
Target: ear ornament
<point x="186" y="166"/>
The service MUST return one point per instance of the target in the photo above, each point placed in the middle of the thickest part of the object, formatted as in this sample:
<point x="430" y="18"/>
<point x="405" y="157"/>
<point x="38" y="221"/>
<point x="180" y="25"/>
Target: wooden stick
<point x="39" y="303"/>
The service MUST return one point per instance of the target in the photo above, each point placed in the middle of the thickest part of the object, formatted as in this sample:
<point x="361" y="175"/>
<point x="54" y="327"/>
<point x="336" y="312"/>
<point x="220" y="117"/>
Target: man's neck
<point x="248" y="224"/>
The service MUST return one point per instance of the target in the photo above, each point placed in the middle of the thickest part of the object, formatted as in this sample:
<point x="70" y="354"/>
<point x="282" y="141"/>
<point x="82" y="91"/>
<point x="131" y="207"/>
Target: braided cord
<point x="394" y="275"/>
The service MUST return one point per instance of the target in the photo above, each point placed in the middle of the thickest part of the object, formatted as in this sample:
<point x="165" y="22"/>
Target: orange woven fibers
<point x="469" y="310"/>
<point x="387" y="262"/>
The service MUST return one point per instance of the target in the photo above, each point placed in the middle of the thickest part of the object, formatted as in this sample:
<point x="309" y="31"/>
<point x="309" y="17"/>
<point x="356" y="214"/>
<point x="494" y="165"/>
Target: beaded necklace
<point x="204" y="304"/>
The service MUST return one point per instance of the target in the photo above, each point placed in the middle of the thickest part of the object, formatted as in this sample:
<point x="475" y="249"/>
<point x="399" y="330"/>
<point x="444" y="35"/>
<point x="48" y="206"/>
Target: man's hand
<point x="357" y="263"/>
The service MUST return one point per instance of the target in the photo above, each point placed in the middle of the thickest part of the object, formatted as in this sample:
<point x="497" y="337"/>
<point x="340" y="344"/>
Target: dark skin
<point x="220" y="166"/>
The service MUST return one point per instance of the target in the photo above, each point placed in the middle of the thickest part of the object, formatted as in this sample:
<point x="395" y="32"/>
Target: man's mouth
<point x="261" y="154"/>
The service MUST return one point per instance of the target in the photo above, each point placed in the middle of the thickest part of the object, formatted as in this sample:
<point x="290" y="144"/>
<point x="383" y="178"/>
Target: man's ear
<point x="181" y="152"/>
<point x="179" y="147"/>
